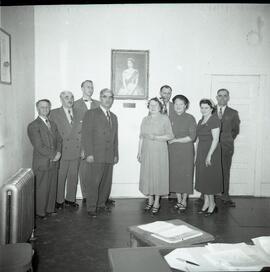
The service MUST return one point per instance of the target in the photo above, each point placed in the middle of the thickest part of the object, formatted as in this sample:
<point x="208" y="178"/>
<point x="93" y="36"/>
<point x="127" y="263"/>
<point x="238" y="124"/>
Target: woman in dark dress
<point x="181" y="151"/>
<point x="208" y="157"/>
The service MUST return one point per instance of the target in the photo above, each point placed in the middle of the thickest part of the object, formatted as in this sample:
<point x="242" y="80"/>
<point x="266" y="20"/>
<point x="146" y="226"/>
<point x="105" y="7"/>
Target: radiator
<point x="17" y="208"/>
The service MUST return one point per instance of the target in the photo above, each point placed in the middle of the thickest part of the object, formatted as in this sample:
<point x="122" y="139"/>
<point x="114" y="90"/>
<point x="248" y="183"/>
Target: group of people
<point x="78" y="139"/>
<point x="81" y="139"/>
<point x="168" y="157"/>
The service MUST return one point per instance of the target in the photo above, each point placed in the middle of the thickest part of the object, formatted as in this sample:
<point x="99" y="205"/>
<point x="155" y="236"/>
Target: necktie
<point x="71" y="117"/>
<point x="220" y="113"/>
<point x="48" y="124"/>
<point x="109" y="118"/>
<point x="164" y="109"/>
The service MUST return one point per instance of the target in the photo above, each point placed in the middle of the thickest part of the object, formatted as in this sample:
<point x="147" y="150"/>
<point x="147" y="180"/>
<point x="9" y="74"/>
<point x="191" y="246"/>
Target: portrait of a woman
<point x="130" y="79"/>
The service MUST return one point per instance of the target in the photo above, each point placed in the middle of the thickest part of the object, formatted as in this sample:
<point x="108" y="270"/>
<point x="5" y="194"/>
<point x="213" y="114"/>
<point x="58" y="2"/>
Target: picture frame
<point x="130" y="74"/>
<point x="5" y="57"/>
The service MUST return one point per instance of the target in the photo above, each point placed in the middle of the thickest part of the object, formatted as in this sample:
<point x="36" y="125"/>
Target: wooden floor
<point x="72" y="241"/>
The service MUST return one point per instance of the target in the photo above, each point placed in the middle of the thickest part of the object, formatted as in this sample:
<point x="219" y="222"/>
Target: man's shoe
<point x="51" y="213"/>
<point x="110" y="202"/>
<point x="71" y="204"/>
<point x="59" y="206"/>
<point x="42" y="217"/>
<point x="92" y="213"/>
<point x="229" y="203"/>
<point x="84" y="200"/>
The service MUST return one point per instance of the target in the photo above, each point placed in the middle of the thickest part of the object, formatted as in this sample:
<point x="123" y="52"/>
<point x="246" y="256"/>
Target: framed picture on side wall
<point x="5" y="57"/>
<point x="130" y="74"/>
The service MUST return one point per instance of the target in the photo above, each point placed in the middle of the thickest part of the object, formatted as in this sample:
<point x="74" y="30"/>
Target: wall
<point x="17" y="99"/>
<point x="185" y="42"/>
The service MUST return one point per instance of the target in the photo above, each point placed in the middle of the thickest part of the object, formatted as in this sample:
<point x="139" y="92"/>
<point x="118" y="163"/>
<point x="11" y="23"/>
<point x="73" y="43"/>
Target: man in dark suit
<point x="167" y="108"/>
<point x="165" y="96"/>
<point x="82" y="105"/>
<point x="229" y="130"/>
<point x="100" y="144"/>
<point x="68" y="123"/>
<point x="46" y="141"/>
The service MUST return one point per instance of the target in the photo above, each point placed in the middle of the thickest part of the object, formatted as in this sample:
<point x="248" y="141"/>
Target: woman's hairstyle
<point x="183" y="98"/>
<point x="156" y="100"/>
<point x="209" y="102"/>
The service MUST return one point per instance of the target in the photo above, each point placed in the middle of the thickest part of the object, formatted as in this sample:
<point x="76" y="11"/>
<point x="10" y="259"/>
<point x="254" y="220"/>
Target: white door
<point x="244" y="89"/>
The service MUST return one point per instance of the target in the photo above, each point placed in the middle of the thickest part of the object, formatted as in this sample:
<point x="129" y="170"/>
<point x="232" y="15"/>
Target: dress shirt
<point x="222" y="109"/>
<point x="67" y="114"/>
<point x="87" y="103"/>
<point x="105" y="111"/>
<point x="44" y="120"/>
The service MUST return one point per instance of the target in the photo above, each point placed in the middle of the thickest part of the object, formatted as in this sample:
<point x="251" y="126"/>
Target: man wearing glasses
<point x="100" y="144"/>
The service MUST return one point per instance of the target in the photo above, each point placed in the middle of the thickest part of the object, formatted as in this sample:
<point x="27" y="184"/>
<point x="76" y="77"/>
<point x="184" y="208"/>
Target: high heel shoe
<point x="215" y="210"/>
<point x="155" y="210"/>
<point x="148" y="207"/>
<point x="202" y="211"/>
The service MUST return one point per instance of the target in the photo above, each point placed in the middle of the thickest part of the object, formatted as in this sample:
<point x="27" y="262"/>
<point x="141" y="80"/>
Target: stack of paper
<point x="170" y="233"/>
<point x="222" y="257"/>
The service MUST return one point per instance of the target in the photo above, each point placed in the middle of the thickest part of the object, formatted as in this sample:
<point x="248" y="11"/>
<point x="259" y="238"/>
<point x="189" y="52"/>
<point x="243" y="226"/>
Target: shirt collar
<point x="66" y="110"/>
<point x="104" y="110"/>
<point x="43" y="119"/>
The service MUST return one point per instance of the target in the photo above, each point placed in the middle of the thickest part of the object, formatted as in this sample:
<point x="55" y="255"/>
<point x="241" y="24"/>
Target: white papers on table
<point x="263" y="242"/>
<point x="170" y="233"/>
<point x="220" y="257"/>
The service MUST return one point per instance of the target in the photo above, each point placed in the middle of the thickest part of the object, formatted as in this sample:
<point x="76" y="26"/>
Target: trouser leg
<point x="105" y="184"/>
<point x="83" y="178"/>
<point x="226" y="168"/>
<point x="41" y="191"/>
<point x="72" y="180"/>
<point x="62" y="175"/>
<point x="93" y="184"/>
<point x="52" y="190"/>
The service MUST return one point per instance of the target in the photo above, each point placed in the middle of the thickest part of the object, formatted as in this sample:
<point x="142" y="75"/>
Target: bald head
<point x="67" y="99"/>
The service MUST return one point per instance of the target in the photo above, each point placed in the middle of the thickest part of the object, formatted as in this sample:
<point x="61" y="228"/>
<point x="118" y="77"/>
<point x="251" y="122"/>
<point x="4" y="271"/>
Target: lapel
<point x="45" y="130"/>
<point x="43" y="126"/>
<point x="83" y="105"/>
<point x="63" y="116"/>
<point x="104" y="118"/>
<point x="225" y="113"/>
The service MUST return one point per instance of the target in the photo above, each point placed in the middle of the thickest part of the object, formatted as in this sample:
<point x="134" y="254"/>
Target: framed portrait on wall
<point x="5" y="57"/>
<point x="130" y="74"/>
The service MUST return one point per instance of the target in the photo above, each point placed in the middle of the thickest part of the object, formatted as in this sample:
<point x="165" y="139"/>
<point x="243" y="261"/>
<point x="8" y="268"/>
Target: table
<point x="145" y="259"/>
<point x="139" y="237"/>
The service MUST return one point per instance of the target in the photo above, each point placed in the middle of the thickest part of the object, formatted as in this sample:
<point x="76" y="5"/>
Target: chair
<point x="16" y="257"/>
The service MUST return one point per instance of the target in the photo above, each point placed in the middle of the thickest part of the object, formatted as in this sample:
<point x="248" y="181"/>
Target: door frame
<point x="262" y="72"/>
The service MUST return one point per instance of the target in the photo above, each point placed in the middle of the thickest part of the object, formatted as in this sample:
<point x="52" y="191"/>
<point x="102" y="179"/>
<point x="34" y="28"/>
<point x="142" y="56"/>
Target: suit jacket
<point x="71" y="134"/>
<point x="46" y="144"/>
<point x="81" y="108"/>
<point x="230" y="126"/>
<point x="99" y="139"/>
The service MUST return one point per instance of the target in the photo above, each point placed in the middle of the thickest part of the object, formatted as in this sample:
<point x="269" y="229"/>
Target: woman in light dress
<point x="155" y="131"/>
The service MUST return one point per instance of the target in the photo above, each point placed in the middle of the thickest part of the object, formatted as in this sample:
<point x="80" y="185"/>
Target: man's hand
<point x="57" y="157"/>
<point x="90" y="159"/>
<point x="115" y="160"/>
<point x="82" y="155"/>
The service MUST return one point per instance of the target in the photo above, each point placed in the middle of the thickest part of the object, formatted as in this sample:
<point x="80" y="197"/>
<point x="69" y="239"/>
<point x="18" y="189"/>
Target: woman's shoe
<point x="177" y="205"/>
<point x="202" y="211"/>
<point x="155" y="210"/>
<point x="180" y="206"/>
<point x="148" y="207"/>
<point x="215" y="210"/>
